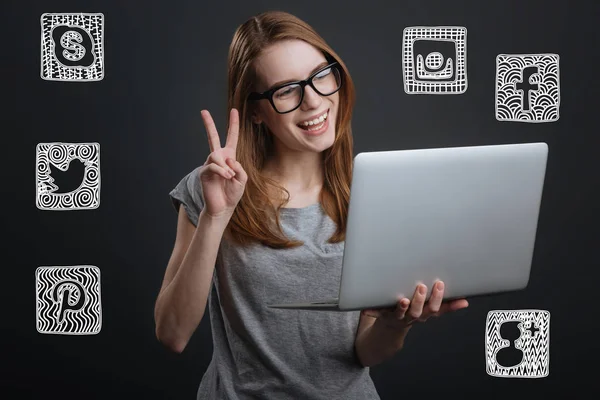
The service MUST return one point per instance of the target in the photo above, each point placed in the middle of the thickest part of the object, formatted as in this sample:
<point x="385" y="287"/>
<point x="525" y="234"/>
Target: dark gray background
<point x="165" y="61"/>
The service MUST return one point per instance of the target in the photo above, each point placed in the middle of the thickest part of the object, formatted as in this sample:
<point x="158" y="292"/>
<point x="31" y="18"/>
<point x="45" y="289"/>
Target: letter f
<point x="525" y="86"/>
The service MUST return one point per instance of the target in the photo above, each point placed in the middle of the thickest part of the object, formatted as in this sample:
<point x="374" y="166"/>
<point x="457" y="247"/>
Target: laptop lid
<point x="464" y="215"/>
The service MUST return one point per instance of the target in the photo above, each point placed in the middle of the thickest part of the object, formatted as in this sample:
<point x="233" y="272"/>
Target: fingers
<point x="232" y="169"/>
<point x="234" y="128"/>
<point x="435" y="301"/>
<point x="415" y="309"/>
<point x="219" y="159"/>
<point x="237" y="168"/>
<point x="400" y="312"/>
<point x="417" y="303"/>
<point x="371" y="313"/>
<point x="453" y="305"/>
<point x="214" y="141"/>
<point x="378" y="312"/>
<point x="216" y="169"/>
<point x="211" y="131"/>
<point x="458" y="304"/>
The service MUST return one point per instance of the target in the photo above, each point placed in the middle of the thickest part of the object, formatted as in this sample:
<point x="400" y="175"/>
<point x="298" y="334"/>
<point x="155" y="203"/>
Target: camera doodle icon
<point x="527" y="340"/>
<point x="527" y="87"/>
<point x="72" y="47"/>
<point x="68" y="300"/>
<point x="52" y="160"/>
<point x="435" y="60"/>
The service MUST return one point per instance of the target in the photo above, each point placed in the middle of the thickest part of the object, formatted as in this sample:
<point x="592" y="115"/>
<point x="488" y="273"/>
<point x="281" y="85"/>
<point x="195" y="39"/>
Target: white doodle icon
<point x="59" y="156"/>
<point x="435" y="60"/>
<point x="72" y="47"/>
<point x="527" y="87"/>
<point x="68" y="300"/>
<point x="531" y="343"/>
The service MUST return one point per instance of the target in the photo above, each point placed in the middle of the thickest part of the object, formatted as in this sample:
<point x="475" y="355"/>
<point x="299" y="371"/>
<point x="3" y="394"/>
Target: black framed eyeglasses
<point x="288" y="97"/>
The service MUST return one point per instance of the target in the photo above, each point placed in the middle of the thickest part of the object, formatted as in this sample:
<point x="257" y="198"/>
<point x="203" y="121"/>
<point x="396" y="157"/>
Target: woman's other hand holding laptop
<point x="407" y="312"/>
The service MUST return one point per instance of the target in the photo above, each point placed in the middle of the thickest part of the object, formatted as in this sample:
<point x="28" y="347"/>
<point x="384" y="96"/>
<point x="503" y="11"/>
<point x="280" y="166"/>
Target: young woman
<point x="263" y="220"/>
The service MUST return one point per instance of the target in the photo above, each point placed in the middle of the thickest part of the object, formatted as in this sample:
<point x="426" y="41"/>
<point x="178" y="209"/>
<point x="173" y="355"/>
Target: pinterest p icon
<point x="68" y="300"/>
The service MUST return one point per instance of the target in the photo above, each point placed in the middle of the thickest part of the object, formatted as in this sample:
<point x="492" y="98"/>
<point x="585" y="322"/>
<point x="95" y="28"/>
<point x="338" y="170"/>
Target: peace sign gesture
<point x="222" y="177"/>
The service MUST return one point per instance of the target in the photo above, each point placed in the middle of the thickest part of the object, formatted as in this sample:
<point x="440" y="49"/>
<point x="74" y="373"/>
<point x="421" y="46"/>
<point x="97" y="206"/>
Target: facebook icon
<point x="527" y="87"/>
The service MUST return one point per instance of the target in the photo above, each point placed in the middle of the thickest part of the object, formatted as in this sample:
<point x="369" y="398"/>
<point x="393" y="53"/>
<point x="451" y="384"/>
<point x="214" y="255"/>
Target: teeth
<point x="316" y="120"/>
<point x="316" y="128"/>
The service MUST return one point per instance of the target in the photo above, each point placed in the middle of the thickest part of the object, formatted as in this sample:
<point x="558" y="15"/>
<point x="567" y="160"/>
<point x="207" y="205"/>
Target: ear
<point x="256" y="119"/>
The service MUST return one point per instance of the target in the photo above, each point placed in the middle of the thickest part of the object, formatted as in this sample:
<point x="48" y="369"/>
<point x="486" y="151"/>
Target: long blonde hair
<point x="254" y="215"/>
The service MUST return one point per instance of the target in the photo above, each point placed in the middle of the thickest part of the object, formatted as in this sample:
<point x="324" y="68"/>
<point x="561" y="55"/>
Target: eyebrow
<point x="279" y="83"/>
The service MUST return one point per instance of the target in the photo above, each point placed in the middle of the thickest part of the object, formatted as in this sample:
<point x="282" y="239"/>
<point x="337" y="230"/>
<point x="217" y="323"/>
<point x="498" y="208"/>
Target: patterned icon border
<point x="98" y="324"/>
<point x="459" y="85"/>
<point x="94" y="187"/>
<point x="545" y="315"/>
<point x="98" y="64"/>
<point x="497" y="83"/>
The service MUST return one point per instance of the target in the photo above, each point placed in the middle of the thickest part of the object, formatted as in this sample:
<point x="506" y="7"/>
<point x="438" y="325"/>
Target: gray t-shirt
<point x="264" y="353"/>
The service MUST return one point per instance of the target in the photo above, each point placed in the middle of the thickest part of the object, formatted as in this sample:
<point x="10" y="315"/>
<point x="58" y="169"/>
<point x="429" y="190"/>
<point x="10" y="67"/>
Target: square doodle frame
<point x="516" y="316"/>
<point x="41" y="178"/>
<point x="49" y="63"/>
<point x="500" y="58"/>
<point x="96" y="315"/>
<point x="456" y="34"/>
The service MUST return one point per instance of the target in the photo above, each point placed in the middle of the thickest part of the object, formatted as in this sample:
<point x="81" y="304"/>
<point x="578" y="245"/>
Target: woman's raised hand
<point x="222" y="177"/>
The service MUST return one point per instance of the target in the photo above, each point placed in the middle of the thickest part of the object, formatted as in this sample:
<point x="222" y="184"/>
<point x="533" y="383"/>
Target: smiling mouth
<point x="314" y="124"/>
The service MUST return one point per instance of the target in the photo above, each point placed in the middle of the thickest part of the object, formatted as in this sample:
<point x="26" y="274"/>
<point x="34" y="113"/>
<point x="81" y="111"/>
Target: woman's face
<point x="294" y="60"/>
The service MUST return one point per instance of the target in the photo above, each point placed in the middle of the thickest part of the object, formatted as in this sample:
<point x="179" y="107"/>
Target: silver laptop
<point x="465" y="215"/>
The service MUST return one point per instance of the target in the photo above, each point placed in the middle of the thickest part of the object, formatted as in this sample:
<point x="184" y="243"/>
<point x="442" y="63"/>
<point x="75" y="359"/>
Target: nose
<point x="311" y="99"/>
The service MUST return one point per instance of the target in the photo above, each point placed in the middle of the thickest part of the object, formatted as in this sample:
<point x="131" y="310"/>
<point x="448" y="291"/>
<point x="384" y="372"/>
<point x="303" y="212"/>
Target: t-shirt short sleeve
<point x="188" y="193"/>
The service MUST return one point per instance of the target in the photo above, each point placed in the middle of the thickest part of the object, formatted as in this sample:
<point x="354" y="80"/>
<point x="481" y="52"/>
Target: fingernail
<point x="231" y="172"/>
<point x="404" y="303"/>
<point x="440" y="286"/>
<point x="422" y="289"/>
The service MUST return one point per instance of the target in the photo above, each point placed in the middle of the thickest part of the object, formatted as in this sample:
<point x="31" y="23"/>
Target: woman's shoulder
<point x="192" y="179"/>
<point x="194" y="174"/>
<point x="188" y="191"/>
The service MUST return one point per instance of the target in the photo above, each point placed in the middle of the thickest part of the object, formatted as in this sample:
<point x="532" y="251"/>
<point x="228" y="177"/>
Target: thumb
<point x="371" y="313"/>
<point x="240" y="174"/>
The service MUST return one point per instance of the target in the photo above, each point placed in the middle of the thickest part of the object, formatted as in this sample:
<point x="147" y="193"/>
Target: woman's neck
<point x="302" y="177"/>
<point x="296" y="173"/>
